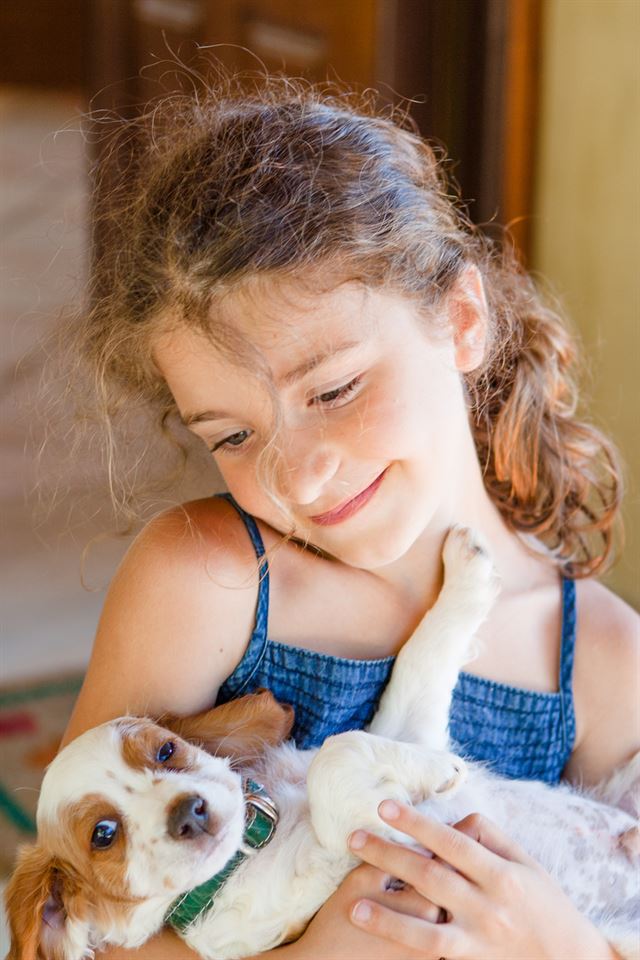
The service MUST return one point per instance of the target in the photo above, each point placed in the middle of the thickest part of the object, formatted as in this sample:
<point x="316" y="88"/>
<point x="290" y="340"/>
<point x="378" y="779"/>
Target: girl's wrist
<point x="611" y="953"/>
<point x="286" y="952"/>
<point x="596" y="947"/>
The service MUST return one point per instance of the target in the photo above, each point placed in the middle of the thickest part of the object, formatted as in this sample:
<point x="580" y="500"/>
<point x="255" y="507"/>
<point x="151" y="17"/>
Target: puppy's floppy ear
<point x="41" y="901"/>
<point x="240" y="728"/>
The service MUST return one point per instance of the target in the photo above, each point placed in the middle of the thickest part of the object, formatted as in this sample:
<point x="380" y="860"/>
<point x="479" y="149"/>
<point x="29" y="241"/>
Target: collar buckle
<point x="261" y="816"/>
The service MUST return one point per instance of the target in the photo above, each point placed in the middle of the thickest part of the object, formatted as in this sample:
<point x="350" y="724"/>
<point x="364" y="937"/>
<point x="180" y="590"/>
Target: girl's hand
<point x="332" y="936"/>
<point x="500" y="903"/>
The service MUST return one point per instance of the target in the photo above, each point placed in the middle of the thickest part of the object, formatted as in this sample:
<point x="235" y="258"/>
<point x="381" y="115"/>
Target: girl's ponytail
<point x="551" y="474"/>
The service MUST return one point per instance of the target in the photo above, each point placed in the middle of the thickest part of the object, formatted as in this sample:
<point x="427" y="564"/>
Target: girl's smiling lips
<point x="350" y="507"/>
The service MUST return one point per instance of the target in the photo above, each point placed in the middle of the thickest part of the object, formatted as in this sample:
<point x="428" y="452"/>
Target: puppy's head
<point x="130" y="815"/>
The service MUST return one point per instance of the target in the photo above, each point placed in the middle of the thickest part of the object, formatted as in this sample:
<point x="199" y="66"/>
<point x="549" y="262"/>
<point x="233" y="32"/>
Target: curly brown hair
<point x="288" y="176"/>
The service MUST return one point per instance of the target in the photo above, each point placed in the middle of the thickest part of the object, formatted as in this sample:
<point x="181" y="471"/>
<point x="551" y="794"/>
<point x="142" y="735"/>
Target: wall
<point x="587" y="214"/>
<point x="43" y="42"/>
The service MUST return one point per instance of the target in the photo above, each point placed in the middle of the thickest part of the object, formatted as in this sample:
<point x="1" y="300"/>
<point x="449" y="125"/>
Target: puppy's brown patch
<point x="46" y="892"/>
<point x="141" y="742"/>
<point x="105" y="868"/>
<point x="240" y="729"/>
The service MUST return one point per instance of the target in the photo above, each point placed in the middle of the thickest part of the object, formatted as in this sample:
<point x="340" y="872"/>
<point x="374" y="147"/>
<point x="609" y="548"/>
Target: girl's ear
<point x="240" y="728"/>
<point x="40" y="902"/>
<point x="469" y="319"/>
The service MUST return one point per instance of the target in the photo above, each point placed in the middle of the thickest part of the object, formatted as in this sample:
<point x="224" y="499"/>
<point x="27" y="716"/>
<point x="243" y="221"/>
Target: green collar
<point x="260" y="826"/>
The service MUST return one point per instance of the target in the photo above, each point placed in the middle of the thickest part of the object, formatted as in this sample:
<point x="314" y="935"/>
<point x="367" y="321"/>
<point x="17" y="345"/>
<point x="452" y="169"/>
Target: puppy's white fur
<point x="67" y="900"/>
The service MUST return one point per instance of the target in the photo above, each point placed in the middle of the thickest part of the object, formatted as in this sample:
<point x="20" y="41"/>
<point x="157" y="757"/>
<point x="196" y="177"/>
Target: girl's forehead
<point x="284" y="318"/>
<point x="276" y="330"/>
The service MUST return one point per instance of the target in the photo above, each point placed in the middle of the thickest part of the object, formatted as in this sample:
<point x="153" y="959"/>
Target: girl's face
<point x="374" y="440"/>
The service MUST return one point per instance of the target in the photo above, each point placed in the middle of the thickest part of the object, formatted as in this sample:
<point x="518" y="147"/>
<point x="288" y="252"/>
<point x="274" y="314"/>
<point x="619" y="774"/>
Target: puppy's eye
<point x="104" y="833"/>
<point x="166" y="750"/>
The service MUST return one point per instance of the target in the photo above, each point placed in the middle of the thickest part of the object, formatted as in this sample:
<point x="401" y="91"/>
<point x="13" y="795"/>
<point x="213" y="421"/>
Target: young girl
<point x="289" y="277"/>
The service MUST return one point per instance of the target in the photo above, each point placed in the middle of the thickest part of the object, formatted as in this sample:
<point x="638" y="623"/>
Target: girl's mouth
<point x="350" y="507"/>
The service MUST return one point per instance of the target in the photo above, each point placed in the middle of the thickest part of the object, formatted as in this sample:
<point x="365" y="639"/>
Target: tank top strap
<point x="259" y="638"/>
<point x="567" y="649"/>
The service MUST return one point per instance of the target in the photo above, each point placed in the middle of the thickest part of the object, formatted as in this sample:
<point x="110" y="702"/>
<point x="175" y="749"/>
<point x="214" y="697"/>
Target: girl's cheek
<point x="241" y="478"/>
<point x="382" y="406"/>
<point x="382" y="423"/>
<point x="236" y="474"/>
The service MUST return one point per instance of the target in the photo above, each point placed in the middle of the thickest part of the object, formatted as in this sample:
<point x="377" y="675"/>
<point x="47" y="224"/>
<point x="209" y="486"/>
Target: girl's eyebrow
<point x="203" y="415"/>
<point x="286" y="380"/>
<point x="316" y="360"/>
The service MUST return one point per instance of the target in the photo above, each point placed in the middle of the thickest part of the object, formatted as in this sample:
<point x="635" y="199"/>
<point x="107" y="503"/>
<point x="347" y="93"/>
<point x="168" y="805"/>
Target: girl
<point x="289" y="278"/>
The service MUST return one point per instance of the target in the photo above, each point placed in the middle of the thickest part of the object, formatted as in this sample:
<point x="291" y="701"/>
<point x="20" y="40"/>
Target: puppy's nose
<point x="188" y="818"/>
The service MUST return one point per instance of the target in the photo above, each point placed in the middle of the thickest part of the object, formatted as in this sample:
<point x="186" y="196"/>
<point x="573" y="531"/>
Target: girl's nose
<point x="307" y="466"/>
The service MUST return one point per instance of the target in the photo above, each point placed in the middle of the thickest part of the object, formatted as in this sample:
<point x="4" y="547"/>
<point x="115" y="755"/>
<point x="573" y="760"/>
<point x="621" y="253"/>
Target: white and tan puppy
<point x="133" y="815"/>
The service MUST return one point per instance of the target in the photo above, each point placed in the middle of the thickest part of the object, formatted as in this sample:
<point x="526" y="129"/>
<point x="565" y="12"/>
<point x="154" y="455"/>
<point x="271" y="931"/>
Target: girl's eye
<point x="166" y="751"/>
<point x="235" y="440"/>
<point x="329" y="398"/>
<point x="104" y="833"/>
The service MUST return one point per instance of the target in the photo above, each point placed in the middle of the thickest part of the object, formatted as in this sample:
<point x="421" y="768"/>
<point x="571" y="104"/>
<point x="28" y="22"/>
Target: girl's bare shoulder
<point x="207" y="531"/>
<point x="177" y="617"/>
<point x="606" y="682"/>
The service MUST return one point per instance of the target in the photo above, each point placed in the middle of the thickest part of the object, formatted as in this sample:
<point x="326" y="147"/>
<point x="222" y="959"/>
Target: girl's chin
<point x="369" y="551"/>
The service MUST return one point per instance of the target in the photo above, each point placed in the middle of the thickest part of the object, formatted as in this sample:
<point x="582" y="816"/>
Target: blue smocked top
<point x="519" y="733"/>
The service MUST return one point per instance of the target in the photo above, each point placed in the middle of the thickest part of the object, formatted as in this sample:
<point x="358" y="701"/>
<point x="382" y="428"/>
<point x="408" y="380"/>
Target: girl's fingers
<point x="367" y="882"/>
<point x="487" y="833"/>
<point x="462" y="850"/>
<point x="430" y="878"/>
<point x="408" y="900"/>
<point x="426" y="939"/>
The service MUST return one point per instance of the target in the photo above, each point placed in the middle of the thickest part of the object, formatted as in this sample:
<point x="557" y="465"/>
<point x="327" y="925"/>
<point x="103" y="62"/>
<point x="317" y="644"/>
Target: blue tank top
<point x="518" y="733"/>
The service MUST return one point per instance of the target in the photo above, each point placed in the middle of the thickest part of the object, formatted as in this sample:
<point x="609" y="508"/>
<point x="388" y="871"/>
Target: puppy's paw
<point x="439" y="773"/>
<point x="467" y="560"/>
<point x="444" y="773"/>
<point x="458" y="775"/>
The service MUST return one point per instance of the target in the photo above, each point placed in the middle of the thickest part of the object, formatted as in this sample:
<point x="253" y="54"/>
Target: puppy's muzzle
<point x="188" y="818"/>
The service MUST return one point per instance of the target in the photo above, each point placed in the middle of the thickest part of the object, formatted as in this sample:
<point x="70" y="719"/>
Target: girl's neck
<point x="416" y="577"/>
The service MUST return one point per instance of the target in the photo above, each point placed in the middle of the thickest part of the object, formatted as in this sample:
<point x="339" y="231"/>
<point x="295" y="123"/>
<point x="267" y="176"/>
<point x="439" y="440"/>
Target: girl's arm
<point x="176" y="620"/>
<point x="168" y="946"/>
<point x="606" y="684"/>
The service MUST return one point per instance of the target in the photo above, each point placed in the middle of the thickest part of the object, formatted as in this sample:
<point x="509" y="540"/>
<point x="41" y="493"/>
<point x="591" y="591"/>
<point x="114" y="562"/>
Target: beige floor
<point x="53" y="507"/>
<point x="48" y="618"/>
<point x="4" y="933"/>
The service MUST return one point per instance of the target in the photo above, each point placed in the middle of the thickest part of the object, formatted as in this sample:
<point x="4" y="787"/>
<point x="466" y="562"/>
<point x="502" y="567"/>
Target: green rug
<point x="33" y="717"/>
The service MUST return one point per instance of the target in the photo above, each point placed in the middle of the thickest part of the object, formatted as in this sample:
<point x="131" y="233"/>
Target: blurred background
<point x="536" y="101"/>
<point x="538" y="105"/>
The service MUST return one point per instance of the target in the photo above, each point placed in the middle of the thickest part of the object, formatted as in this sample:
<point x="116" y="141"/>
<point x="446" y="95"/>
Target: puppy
<point x="218" y="827"/>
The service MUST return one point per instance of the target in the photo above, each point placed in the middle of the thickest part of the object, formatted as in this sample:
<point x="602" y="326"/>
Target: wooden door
<point x="468" y="67"/>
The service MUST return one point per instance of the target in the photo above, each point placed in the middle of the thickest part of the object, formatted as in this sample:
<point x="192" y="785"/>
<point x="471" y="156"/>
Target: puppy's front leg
<point x="354" y="772"/>
<point x="415" y="705"/>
